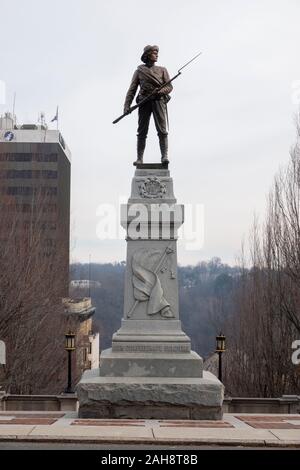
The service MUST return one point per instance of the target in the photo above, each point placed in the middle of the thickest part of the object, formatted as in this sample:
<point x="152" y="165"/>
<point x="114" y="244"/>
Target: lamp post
<point x="69" y="346"/>
<point x="220" y="348"/>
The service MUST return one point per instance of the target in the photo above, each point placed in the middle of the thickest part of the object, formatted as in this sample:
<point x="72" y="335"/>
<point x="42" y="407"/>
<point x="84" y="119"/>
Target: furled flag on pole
<point x="56" y="116"/>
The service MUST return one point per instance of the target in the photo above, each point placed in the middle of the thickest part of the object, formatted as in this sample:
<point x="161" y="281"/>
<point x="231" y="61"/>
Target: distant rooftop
<point x="30" y="133"/>
<point x="80" y="306"/>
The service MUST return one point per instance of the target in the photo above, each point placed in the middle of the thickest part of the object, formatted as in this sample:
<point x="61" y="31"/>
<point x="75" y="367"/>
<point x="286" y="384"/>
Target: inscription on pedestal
<point x="152" y="347"/>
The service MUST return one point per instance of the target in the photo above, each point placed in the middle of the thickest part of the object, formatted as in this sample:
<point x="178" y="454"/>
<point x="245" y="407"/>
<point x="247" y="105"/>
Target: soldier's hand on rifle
<point x="126" y="109"/>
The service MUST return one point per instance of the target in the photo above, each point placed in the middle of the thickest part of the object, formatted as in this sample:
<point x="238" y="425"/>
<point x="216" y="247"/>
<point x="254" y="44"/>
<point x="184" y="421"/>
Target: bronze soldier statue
<point x="150" y="77"/>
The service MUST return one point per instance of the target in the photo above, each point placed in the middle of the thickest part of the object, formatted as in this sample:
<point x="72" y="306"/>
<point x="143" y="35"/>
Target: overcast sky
<point x="231" y="113"/>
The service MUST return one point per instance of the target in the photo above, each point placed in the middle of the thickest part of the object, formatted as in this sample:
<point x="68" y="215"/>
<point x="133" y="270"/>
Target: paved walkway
<point x="264" y="430"/>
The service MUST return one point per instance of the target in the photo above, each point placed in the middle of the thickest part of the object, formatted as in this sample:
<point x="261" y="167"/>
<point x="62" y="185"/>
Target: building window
<point x="49" y="174"/>
<point x="19" y="190"/>
<point x="28" y="157"/>
<point x="29" y="190"/>
<point x="11" y="174"/>
<point x="46" y="157"/>
<point x="49" y="191"/>
<point x="16" y="157"/>
<point x="85" y="353"/>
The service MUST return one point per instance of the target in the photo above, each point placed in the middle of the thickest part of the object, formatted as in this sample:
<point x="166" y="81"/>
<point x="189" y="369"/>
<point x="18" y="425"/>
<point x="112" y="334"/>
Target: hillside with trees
<point x="205" y="292"/>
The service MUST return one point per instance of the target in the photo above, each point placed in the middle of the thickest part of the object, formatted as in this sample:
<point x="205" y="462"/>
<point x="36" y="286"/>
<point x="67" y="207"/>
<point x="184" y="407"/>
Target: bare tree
<point x="32" y="283"/>
<point x="266" y="316"/>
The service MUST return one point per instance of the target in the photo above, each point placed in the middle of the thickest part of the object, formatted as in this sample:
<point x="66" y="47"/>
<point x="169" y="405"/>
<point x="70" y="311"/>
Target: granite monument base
<point x="150" y="397"/>
<point x="157" y="365"/>
<point x="151" y="372"/>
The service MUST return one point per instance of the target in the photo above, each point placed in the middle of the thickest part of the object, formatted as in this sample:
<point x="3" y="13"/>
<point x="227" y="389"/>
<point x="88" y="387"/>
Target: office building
<point x="35" y="190"/>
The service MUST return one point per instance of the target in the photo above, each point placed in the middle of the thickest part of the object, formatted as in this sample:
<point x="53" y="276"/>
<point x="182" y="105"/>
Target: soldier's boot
<point x="141" y="144"/>
<point x="163" y="143"/>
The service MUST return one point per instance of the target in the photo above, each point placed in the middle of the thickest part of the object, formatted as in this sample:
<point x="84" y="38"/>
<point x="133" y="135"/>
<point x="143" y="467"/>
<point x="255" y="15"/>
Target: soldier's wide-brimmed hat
<point x="148" y="49"/>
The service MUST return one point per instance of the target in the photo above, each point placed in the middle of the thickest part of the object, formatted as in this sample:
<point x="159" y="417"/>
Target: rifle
<point x="148" y="98"/>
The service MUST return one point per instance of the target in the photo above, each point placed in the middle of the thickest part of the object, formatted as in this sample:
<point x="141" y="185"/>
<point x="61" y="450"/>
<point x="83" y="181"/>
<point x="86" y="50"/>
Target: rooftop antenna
<point x="14" y="105"/>
<point x="42" y="118"/>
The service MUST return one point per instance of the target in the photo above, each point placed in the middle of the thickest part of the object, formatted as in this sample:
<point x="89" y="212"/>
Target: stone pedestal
<point x="150" y="371"/>
<point x="150" y="397"/>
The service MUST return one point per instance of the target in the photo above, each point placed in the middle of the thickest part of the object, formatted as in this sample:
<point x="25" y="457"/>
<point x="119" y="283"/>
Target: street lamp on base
<point x="220" y="348"/>
<point x="69" y="347"/>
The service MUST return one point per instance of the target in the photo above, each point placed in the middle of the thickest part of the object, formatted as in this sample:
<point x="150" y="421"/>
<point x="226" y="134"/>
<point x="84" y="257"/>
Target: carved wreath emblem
<point x="152" y="188"/>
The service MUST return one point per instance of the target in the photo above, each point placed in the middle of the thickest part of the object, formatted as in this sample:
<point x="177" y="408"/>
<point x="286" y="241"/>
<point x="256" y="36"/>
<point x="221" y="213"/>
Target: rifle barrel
<point x="155" y="91"/>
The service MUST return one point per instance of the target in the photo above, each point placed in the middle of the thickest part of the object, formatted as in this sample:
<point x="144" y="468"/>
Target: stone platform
<point x="37" y="430"/>
<point x="150" y="397"/>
